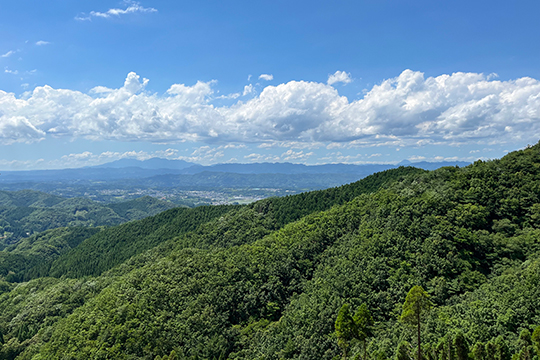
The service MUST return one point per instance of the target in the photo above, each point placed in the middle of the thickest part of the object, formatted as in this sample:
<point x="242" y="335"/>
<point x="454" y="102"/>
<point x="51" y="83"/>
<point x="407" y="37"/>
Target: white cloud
<point x="87" y="158"/>
<point x="248" y="89"/>
<point x="233" y="146"/>
<point x="132" y="7"/>
<point x="291" y="155"/>
<point x="8" y="54"/>
<point x="42" y="42"/>
<point x="266" y="77"/>
<point x="101" y="90"/>
<point x="14" y="72"/>
<point x="339" y="77"/>
<point x="406" y="110"/>
<point x="290" y="144"/>
<point x="254" y="157"/>
<point x="19" y="164"/>
<point x="338" y="157"/>
<point x="229" y="96"/>
<point x="205" y="155"/>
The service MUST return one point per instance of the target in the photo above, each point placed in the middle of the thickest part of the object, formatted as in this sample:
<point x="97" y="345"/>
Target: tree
<point x="449" y="348"/>
<point x="364" y="325"/>
<point x="416" y="306"/>
<point x="460" y="347"/>
<point x="440" y="350"/>
<point x="430" y="352"/>
<point x="503" y="352"/>
<point x="345" y="329"/>
<point x="536" y="340"/>
<point x="479" y="351"/>
<point x="525" y="343"/>
<point x="403" y="351"/>
<point x="491" y="350"/>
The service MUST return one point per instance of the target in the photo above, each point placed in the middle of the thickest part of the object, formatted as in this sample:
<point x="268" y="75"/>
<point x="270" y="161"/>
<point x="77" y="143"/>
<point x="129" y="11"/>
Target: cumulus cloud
<point x="339" y="77"/>
<point x="101" y="90"/>
<point x="338" y="157"/>
<point x="205" y="155"/>
<point x="408" y="109"/>
<point x="291" y="155"/>
<point x="229" y="96"/>
<point x="88" y="158"/>
<point x="42" y="42"/>
<point x="266" y="77"/>
<point x="248" y="89"/>
<point x="132" y="7"/>
<point x="234" y="146"/>
<point x="291" y="145"/>
<point x="254" y="157"/>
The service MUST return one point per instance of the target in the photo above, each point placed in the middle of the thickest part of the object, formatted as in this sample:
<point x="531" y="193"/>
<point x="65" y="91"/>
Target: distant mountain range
<point x="137" y="169"/>
<point x="153" y="164"/>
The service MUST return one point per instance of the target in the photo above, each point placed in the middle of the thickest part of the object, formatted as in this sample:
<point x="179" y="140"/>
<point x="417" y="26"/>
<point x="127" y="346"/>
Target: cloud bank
<point x="447" y="109"/>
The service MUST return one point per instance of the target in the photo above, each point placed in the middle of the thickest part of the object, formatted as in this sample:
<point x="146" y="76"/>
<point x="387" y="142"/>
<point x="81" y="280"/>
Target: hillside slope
<point x="114" y="246"/>
<point x="26" y="212"/>
<point x="266" y="281"/>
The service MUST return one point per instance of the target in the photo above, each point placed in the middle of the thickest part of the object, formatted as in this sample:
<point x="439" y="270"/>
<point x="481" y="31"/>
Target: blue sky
<point x="86" y="82"/>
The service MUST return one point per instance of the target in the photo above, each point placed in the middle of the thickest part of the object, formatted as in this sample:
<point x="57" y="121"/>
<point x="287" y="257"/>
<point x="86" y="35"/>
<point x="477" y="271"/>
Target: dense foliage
<point x="26" y="212"/>
<point x="116" y="245"/>
<point x="270" y="280"/>
<point x="31" y="257"/>
<point x="291" y="208"/>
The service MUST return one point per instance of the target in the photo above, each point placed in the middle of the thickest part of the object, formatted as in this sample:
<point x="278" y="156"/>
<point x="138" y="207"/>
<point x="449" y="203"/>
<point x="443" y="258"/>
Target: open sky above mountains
<point x="88" y="82"/>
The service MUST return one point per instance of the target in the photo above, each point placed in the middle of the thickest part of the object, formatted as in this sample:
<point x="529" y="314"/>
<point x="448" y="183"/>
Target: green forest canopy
<point x="27" y="212"/>
<point x="266" y="281"/>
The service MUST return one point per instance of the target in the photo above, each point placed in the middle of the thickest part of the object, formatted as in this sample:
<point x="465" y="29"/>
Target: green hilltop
<point x="267" y="280"/>
<point x="27" y="212"/>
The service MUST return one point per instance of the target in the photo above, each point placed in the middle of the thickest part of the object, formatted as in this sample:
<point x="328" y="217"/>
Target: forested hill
<point x="113" y="246"/>
<point x="267" y="281"/>
<point x="25" y="212"/>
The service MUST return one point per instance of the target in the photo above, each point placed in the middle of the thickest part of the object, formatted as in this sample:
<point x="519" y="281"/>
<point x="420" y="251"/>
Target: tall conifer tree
<point x="345" y="329"/>
<point x="416" y="306"/>
<point x="364" y="325"/>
